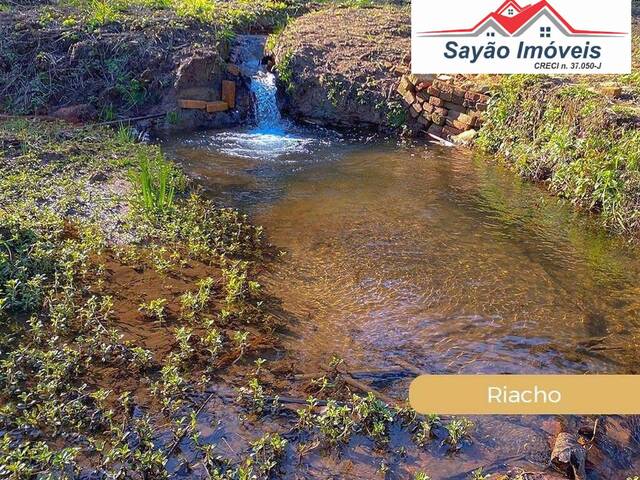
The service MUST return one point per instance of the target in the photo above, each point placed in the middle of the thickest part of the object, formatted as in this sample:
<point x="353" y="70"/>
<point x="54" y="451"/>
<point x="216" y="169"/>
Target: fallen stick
<point x="355" y="373"/>
<point x="129" y="120"/>
<point x="408" y="366"/>
<point x="365" y="388"/>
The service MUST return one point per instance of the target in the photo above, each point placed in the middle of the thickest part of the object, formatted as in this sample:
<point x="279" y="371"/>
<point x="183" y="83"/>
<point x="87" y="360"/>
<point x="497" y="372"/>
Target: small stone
<point x="611" y="91"/>
<point x="465" y="138"/>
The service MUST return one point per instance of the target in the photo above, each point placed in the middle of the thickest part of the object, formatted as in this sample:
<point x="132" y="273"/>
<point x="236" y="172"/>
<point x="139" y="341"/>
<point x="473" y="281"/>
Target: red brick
<point x="450" y="131"/>
<point x="441" y="111"/>
<point x="437" y="119"/>
<point x="415" y="110"/>
<point x="422" y="95"/>
<point x="409" y="97"/>
<point x="229" y="93"/>
<point x="435" y="101"/>
<point x="433" y="91"/>
<point x="455" y="106"/>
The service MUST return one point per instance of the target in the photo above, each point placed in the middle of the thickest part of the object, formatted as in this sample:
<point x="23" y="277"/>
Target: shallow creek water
<point x="433" y="255"/>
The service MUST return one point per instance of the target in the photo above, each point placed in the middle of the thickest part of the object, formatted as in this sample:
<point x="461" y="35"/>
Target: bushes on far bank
<point x="572" y="138"/>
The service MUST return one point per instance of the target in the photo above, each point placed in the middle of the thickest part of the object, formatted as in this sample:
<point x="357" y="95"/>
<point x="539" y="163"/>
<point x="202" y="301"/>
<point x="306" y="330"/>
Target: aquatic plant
<point x="425" y="429"/>
<point x="421" y="476"/>
<point x="458" y="430"/>
<point x="479" y="474"/>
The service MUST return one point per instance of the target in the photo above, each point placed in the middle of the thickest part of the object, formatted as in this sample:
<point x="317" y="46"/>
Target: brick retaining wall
<point x="436" y="105"/>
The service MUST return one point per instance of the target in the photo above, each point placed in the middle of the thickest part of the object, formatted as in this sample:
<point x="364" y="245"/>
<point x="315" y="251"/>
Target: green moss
<point x="284" y="68"/>
<point x="564" y="134"/>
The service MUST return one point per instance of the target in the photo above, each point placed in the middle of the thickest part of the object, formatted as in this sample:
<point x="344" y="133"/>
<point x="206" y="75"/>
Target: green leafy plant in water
<point x="421" y="476"/>
<point x="458" y="430"/>
<point x="425" y="429"/>
<point x="479" y="474"/>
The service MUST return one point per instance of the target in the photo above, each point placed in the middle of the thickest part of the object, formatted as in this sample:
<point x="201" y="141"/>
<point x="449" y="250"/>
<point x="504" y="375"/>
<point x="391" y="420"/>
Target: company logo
<point x="512" y="20"/>
<point x="556" y="36"/>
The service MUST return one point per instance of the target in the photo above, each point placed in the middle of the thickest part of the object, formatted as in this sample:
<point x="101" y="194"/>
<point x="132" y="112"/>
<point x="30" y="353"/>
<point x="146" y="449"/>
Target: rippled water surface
<point x="436" y="257"/>
<point x="427" y="253"/>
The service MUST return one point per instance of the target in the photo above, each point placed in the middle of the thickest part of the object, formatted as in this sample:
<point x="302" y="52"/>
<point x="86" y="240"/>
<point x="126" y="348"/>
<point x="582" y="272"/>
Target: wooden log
<point x="229" y="93"/>
<point x="213" y="107"/>
<point x="192" y="104"/>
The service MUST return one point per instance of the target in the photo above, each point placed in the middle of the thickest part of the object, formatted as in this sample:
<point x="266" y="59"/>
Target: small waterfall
<point x="272" y="137"/>
<point x="263" y="86"/>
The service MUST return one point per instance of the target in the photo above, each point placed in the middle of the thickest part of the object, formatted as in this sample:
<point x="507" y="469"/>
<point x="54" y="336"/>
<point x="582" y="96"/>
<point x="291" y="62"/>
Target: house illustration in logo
<point x="512" y="20"/>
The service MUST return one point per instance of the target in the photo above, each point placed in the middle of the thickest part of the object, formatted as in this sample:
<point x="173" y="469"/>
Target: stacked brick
<point x="439" y="107"/>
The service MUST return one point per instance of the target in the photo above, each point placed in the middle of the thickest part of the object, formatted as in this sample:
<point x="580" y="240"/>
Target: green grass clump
<point x="567" y="136"/>
<point x="156" y="184"/>
<point x="284" y="68"/>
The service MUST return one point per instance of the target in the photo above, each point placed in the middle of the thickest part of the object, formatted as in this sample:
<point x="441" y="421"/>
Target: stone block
<point x="428" y="107"/>
<point x="481" y="106"/>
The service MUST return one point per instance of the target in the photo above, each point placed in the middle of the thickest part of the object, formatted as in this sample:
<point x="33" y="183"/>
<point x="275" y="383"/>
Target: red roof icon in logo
<point x="511" y="19"/>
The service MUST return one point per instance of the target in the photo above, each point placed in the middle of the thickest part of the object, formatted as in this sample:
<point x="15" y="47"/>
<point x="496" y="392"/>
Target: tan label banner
<point x="525" y="394"/>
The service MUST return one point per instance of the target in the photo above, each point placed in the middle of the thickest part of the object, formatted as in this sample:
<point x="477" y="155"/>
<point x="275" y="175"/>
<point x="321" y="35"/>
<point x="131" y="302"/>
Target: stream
<point x="434" y="255"/>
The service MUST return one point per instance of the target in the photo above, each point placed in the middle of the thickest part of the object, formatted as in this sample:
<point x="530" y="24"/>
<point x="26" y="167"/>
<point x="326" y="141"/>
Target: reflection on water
<point x="433" y="255"/>
<point x="436" y="257"/>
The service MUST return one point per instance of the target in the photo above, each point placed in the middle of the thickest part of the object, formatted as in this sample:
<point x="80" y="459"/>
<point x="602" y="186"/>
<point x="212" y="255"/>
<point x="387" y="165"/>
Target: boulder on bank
<point x="340" y="66"/>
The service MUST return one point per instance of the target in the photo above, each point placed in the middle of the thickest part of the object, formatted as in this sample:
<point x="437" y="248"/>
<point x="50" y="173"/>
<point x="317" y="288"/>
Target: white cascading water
<point x="268" y="119"/>
<point x="272" y="137"/>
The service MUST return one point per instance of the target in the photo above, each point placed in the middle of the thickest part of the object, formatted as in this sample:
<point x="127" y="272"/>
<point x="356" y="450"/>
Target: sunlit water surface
<point x="431" y="255"/>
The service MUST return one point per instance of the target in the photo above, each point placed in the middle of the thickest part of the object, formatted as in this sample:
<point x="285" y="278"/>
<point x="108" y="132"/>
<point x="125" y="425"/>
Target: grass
<point x="568" y="136"/>
<point x="156" y="184"/>
<point x="62" y="230"/>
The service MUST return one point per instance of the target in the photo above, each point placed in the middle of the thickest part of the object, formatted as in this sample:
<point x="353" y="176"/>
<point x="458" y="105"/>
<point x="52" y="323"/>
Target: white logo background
<point x="428" y="51"/>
